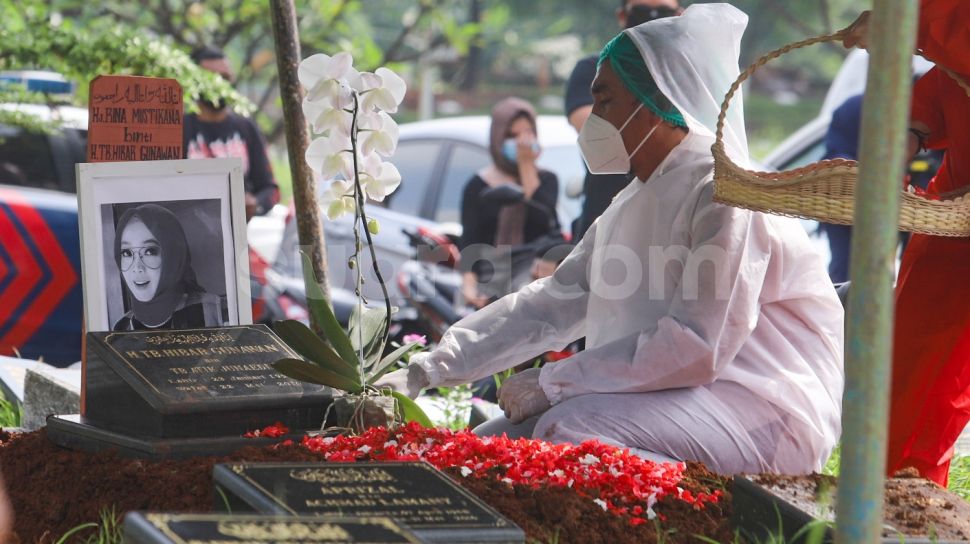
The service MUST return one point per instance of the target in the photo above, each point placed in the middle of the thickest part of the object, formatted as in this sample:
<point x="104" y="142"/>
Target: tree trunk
<point x="287" y="40"/>
<point x="474" y="60"/>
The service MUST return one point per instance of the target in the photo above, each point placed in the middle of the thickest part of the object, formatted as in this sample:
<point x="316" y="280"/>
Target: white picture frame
<point x="208" y="200"/>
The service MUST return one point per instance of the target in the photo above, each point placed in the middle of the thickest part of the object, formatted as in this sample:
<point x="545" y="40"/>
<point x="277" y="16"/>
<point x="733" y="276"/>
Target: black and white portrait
<point x="163" y="251"/>
<point x="165" y="279"/>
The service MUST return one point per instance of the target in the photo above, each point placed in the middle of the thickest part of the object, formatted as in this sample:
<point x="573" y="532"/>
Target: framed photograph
<point x="163" y="244"/>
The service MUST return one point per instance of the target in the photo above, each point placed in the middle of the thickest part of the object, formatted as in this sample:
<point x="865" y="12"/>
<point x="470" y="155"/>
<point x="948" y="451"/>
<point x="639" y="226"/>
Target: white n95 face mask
<point x="602" y="145"/>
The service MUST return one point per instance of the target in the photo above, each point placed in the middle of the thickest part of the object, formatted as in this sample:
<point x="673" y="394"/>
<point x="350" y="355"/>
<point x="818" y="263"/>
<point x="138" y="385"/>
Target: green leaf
<point x="311" y="373"/>
<point x="303" y="340"/>
<point x="385" y="364"/>
<point x="411" y="411"/>
<point x="372" y="324"/>
<point x="323" y="315"/>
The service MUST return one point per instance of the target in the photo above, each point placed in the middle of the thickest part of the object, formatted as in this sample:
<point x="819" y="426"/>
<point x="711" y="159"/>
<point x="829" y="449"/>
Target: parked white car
<point x="436" y="159"/>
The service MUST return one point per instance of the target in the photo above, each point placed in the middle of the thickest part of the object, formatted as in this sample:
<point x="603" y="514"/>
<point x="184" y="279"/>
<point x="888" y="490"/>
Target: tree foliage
<point x="377" y="32"/>
<point x="31" y="39"/>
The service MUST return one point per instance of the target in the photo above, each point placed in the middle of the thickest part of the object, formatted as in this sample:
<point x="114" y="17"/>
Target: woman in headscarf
<point x="712" y="333"/>
<point x="152" y="254"/>
<point x="930" y="401"/>
<point x="514" y="149"/>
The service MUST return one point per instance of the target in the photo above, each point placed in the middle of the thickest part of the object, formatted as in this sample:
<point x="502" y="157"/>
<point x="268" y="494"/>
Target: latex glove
<point x="521" y="397"/>
<point x="409" y="381"/>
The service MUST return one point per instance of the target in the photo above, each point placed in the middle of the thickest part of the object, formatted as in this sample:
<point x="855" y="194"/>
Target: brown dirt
<point x="54" y="489"/>
<point x="914" y="507"/>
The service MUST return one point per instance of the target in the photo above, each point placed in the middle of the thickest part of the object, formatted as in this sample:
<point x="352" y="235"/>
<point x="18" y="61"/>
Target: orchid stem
<point x="362" y="218"/>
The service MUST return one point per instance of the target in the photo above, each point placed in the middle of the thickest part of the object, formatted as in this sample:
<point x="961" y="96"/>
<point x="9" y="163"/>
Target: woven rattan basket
<point x="825" y="190"/>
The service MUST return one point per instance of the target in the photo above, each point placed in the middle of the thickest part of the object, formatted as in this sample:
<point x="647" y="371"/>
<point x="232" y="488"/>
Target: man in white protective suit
<point x="713" y="333"/>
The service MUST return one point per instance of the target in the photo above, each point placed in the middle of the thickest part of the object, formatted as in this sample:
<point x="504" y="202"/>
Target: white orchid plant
<point x="349" y="113"/>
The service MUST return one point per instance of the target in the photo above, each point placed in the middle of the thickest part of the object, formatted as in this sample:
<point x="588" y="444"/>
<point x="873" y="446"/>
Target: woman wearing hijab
<point x="152" y="254"/>
<point x="712" y="333"/>
<point x="514" y="150"/>
<point x="930" y="401"/>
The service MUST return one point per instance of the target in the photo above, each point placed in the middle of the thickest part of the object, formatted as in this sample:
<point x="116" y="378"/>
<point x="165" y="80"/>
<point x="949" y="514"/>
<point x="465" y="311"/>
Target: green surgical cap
<point x="627" y="62"/>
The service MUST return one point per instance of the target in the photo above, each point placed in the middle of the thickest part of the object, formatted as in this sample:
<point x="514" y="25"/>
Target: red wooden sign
<point x="133" y="118"/>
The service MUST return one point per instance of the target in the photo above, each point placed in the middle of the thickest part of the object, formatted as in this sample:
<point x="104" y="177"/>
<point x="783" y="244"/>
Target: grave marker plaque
<point x="195" y="383"/>
<point x="187" y="392"/>
<point x="415" y="494"/>
<point x="158" y="528"/>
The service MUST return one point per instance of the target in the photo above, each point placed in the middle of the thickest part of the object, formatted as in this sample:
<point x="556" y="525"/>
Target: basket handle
<point x="758" y="64"/>
<point x="798" y="45"/>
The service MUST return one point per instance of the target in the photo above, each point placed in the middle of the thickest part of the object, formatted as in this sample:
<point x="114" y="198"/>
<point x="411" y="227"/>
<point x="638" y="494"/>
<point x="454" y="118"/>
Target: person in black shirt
<point x="599" y="190"/>
<point x="217" y="132"/>
<point x="489" y="229"/>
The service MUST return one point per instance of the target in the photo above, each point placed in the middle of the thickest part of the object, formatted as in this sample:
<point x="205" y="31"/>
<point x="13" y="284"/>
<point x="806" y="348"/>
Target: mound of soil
<point x="54" y="490"/>
<point x="915" y="507"/>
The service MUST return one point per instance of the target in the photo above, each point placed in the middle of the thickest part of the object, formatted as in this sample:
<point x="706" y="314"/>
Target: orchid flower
<point x="324" y="118"/>
<point x="330" y="157"/>
<point x="379" y="179"/>
<point x="335" y="93"/>
<point x="382" y="90"/>
<point x="379" y="134"/>
<point x="338" y="199"/>
<point x="328" y="79"/>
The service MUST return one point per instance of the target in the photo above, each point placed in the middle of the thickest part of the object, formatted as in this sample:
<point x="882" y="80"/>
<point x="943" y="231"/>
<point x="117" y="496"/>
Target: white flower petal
<point x="389" y="179"/>
<point x="329" y="118"/>
<point x="383" y="141"/>
<point x="370" y="165"/>
<point x="380" y="99"/>
<point x="373" y="188"/>
<point x="339" y="66"/>
<point x="354" y="79"/>
<point x="319" y="92"/>
<point x="313" y="69"/>
<point x="328" y="156"/>
<point x="338" y="208"/>
<point x="393" y="84"/>
<point x="369" y="81"/>
<point x="369" y="120"/>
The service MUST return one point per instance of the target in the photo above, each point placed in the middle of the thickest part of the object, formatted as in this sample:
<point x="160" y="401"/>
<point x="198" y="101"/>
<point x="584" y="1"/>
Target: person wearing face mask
<point x="152" y="254"/>
<point x="599" y="189"/>
<point x="217" y="132"/>
<point x="713" y="333"/>
<point x="488" y="227"/>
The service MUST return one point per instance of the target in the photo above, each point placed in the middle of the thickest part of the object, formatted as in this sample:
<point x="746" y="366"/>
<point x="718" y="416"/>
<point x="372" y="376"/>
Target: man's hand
<point x="407" y="381"/>
<point x="469" y="291"/>
<point x="858" y="32"/>
<point x="521" y="397"/>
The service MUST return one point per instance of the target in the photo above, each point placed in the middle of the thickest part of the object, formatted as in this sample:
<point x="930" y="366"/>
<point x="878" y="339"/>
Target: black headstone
<point x="416" y="494"/>
<point x="195" y="383"/>
<point x="158" y="528"/>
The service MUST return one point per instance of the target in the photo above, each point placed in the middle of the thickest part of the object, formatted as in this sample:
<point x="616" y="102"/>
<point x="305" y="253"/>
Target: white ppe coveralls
<point x="712" y="333"/>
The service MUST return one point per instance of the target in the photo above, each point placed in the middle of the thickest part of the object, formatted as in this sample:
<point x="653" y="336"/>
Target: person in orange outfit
<point x="930" y="403"/>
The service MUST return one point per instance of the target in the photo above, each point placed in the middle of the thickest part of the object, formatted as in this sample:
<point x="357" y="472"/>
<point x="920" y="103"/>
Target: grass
<point x="108" y="530"/>
<point x="455" y="406"/>
<point x="10" y="413"/>
<point x="960" y="476"/>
